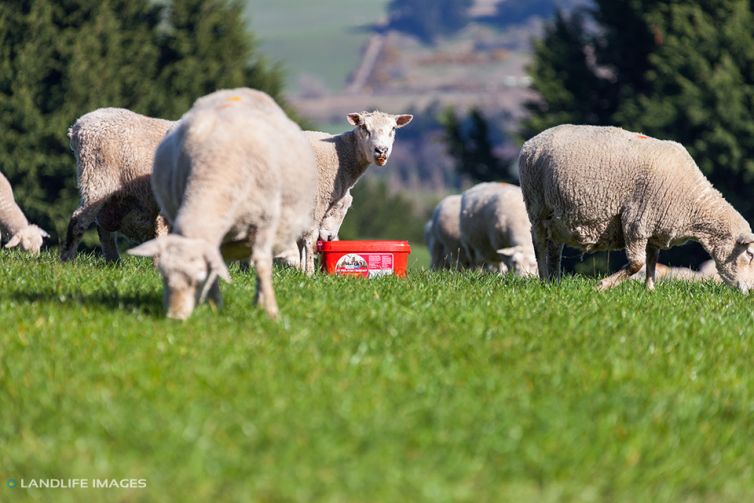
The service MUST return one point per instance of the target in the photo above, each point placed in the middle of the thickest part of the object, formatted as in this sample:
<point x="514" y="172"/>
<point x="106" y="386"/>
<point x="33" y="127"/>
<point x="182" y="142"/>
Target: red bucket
<point x="364" y="258"/>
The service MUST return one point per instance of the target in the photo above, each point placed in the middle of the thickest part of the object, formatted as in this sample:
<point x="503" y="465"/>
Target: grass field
<point x="440" y="387"/>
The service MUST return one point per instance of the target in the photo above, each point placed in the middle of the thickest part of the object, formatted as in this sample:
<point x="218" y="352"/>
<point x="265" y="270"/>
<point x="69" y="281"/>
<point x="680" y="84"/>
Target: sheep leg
<point x="554" y="252"/>
<point x="310" y="243"/>
<point x="214" y="296"/>
<point x="80" y="221"/>
<point x="636" y="253"/>
<point x="653" y="254"/>
<point x="540" y="252"/>
<point x="262" y="258"/>
<point x="108" y="244"/>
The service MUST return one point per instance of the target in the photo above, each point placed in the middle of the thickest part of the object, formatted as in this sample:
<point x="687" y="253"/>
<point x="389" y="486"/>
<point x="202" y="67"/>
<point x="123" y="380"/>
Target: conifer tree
<point x="61" y="59"/>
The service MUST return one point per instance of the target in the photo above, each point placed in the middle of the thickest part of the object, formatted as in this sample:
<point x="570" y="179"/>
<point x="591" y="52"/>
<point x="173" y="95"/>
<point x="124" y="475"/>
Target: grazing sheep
<point x="234" y="179"/>
<point x="343" y="158"/>
<point x="603" y="188"/>
<point x="495" y="229"/>
<point x="664" y="272"/>
<point x="114" y="150"/>
<point x="13" y="222"/>
<point x="444" y="241"/>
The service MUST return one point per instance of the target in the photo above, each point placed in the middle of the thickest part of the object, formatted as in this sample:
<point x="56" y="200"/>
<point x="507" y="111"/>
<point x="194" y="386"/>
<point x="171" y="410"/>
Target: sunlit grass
<point x="440" y="387"/>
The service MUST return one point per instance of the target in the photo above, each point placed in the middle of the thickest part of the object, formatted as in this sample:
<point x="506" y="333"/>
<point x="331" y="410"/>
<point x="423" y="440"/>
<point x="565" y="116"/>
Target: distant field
<point x="319" y="38"/>
<point x="440" y="387"/>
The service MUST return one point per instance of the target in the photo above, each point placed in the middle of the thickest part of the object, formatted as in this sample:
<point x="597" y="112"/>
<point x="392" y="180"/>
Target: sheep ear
<point x="402" y="120"/>
<point x="150" y="248"/>
<point x="14" y="241"/>
<point x="216" y="263"/>
<point x="745" y="239"/>
<point x="354" y="119"/>
<point x="507" y="252"/>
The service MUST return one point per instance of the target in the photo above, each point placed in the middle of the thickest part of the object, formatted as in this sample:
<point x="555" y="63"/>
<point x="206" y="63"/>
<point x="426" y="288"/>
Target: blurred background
<point x="480" y="76"/>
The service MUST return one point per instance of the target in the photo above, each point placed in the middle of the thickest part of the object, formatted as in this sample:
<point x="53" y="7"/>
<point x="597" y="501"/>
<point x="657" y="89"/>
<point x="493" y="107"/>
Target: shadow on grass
<point x="146" y="304"/>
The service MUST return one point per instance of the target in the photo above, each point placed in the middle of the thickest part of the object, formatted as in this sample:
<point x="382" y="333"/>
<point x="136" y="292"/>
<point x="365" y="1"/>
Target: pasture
<point x="321" y="39"/>
<point x="440" y="387"/>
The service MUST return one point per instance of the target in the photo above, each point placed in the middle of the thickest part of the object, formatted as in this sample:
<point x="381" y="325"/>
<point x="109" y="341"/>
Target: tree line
<point x="673" y="70"/>
<point x="62" y="58"/>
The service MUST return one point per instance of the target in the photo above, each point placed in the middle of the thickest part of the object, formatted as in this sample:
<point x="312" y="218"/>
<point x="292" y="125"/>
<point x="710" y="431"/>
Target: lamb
<point x="114" y="150"/>
<point x="444" y="240"/>
<point x="343" y="158"/>
<point x="333" y="219"/>
<point x="233" y="179"/>
<point x="604" y="188"/>
<point x="495" y="229"/>
<point x="13" y="222"/>
<point x="328" y="231"/>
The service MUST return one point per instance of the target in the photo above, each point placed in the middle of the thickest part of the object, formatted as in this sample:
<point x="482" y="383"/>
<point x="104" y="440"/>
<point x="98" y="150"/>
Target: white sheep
<point x="328" y="231"/>
<point x="443" y="235"/>
<point x="495" y="229"/>
<point x="13" y="222"/>
<point x="234" y="179"/>
<point x="333" y="219"/>
<point x="343" y="158"/>
<point x="604" y="188"/>
<point x="114" y="150"/>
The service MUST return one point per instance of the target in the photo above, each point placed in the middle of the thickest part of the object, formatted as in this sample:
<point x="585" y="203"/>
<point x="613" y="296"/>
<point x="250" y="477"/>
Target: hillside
<point x="354" y="61"/>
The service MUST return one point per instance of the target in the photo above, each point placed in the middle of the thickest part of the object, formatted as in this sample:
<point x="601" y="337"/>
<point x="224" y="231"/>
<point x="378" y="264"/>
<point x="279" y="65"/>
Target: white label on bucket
<point x="366" y="264"/>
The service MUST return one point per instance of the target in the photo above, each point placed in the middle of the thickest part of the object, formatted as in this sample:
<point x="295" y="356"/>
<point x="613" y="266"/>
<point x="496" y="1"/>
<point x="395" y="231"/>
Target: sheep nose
<point x="381" y="151"/>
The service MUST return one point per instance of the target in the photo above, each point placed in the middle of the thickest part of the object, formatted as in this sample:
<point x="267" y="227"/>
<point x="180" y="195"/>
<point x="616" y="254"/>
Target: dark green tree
<point x="61" y="59"/>
<point x="471" y="146"/>
<point x="429" y="19"/>
<point x="206" y="47"/>
<point x="675" y="70"/>
<point x="568" y="87"/>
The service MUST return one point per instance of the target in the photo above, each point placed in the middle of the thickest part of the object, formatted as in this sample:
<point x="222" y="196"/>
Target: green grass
<point x="322" y="38"/>
<point x="440" y="387"/>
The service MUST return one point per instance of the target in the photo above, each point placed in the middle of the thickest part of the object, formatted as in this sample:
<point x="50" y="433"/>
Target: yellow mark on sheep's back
<point x="233" y="98"/>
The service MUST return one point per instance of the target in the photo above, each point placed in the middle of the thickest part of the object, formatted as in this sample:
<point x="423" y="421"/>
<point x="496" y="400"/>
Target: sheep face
<point x="189" y="267"/>
<point x="519" y="261"/>
<point x="30" y="238"/>
<point x="375" y="132"/>
<point x="738" y="270"/>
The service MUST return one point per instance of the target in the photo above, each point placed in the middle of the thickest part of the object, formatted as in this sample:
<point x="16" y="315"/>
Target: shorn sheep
<point x="343" y="158"/>
<point x="114" y="150"/>
<point x="234" y="179"/>
<point x="604" y="188"/>
<point x="495" y="229"/>
<point x="443" y="235"/>
<point x="13" y="222"/>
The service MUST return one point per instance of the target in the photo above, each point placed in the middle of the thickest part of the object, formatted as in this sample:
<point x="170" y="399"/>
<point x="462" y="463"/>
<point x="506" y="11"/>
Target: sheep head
<point x="375" y="132"/>
<point x="30" y="238"/>
<point x="737" y="268"/>
<point x="519" y="260"/>
<point x="189" y="268"/>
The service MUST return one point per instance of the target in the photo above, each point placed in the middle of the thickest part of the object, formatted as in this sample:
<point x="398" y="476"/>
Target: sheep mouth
<point x="380" y="160"/>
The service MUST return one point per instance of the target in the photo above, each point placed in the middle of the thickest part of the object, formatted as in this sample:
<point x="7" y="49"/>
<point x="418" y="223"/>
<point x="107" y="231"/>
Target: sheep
<point x="443" y="235"/>
<point x="333" y="219"/>
<point x="495" y="230"/>
<point x="664" y="272"/>
<point x="114" y="150"/>
<point x="233" y="179"/>
<point x="328" y="231"/>
<point x="604" y="188"/>
<point x="14" y="224"/>
<point x="343" y="158"/>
